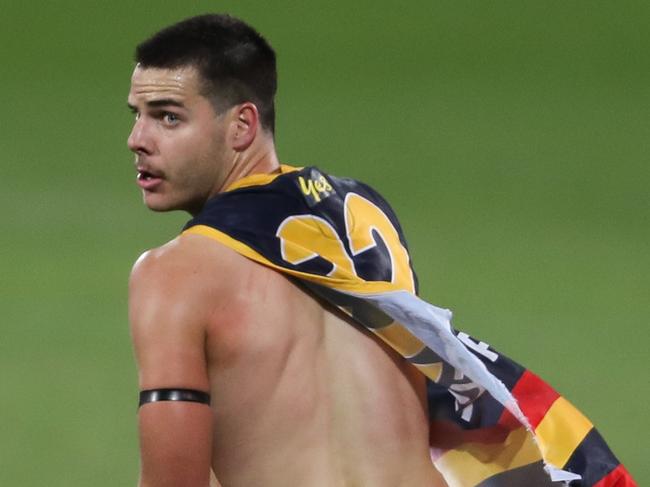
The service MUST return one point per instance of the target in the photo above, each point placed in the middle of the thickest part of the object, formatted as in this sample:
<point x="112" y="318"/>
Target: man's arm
<point x="168" y="318"/>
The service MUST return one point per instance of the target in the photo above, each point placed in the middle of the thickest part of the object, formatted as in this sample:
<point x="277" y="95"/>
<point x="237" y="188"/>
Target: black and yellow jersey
<point x="493" y="422"/>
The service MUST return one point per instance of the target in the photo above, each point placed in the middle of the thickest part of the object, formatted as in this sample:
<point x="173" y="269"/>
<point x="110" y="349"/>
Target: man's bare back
<point x="300" y="395"/>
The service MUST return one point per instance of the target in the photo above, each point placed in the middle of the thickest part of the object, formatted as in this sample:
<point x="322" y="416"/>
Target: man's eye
<point x="170" y="118"/>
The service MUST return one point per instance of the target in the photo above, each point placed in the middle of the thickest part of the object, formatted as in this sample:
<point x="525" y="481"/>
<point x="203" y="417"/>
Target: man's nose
<point x="139" y="140"/>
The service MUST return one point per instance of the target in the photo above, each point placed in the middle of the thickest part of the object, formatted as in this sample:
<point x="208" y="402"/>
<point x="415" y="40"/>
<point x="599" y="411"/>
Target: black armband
<point x="187" y="395"/>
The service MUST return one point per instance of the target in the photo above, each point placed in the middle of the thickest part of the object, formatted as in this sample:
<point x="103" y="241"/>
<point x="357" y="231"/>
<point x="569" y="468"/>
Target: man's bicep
<point x="167" y="327"/>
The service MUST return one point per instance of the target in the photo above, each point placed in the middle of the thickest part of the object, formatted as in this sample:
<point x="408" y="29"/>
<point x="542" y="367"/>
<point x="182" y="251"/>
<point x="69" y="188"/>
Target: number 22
<point x="299" y="233"/>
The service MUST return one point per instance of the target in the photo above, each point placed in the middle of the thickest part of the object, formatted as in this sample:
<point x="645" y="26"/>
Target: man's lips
<point x="148" y="180"/>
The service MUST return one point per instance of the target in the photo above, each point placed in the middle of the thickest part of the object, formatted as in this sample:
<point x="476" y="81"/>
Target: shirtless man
<point x="298" y="395"/>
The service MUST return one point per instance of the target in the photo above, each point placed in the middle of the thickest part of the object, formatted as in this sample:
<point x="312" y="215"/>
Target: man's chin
<point x="158" y="203"/>
<point x="155" y="203"/>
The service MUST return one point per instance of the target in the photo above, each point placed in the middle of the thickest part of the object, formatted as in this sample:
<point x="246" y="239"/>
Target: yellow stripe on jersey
<point x="400" y="339"/>
<point x="432" y="371"/>
<point x="472" y="463"/>
<point x="561" y="431"/>
<point x="261" y="179"/>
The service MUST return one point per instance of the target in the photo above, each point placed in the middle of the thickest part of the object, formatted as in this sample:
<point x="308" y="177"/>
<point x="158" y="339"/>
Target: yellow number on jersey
<point x="361" y="216"/>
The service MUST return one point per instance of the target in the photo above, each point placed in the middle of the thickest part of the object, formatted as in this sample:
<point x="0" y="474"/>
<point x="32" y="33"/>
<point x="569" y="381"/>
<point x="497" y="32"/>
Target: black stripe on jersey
<point x="592" y="459"/>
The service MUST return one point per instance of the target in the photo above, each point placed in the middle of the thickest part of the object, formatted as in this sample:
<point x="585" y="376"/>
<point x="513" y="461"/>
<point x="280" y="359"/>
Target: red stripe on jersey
<point x="619" y="477"/>
<point x="535" y="398"/>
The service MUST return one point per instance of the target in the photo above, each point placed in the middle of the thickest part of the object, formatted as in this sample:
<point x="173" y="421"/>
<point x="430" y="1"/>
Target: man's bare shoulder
<point x="189" y="263"/>
<point x="183" y="281"/>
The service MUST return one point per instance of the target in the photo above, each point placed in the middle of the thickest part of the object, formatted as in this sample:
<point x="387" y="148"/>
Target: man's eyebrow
<point x="162" y="102"/>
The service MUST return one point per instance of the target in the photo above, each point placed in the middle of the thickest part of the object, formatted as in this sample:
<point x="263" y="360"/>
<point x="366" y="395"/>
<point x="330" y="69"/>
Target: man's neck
<point x="259" y="158"/>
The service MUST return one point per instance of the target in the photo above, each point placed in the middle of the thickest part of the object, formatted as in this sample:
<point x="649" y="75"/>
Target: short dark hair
<point x="236" y="63"/>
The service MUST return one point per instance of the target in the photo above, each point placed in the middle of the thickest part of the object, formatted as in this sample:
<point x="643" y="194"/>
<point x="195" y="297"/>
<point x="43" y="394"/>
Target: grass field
<point x="511" y="137"/>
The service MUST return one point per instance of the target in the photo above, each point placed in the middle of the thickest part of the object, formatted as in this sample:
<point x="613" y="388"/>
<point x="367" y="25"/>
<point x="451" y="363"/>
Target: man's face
<point x="178" y="140"/>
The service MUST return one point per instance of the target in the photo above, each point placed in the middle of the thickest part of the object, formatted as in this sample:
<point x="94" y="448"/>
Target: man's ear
<point x="244" y="126"/>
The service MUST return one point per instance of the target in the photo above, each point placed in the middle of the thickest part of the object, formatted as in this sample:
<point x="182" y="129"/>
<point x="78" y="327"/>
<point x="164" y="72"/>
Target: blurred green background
<point x="511" y="137"/>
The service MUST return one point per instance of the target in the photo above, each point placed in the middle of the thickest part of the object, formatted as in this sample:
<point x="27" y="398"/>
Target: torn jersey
<point x="493" y="423"/>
